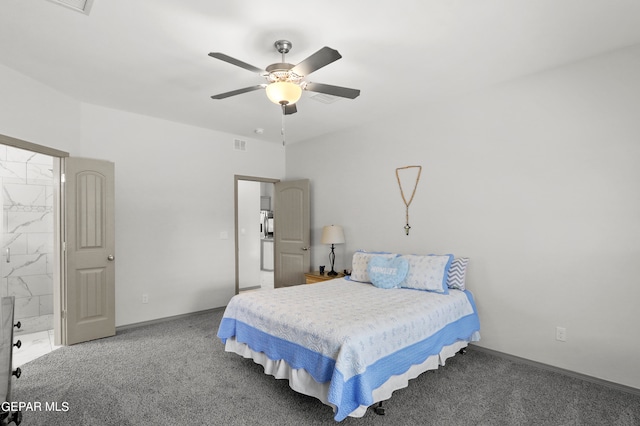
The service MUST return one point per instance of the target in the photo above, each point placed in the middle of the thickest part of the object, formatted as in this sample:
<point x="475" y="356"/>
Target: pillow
<point x="428" y="272"/>
<point x="457" y="272"/>
<point x="387" y="273"/>
<point x="360" y="261"/>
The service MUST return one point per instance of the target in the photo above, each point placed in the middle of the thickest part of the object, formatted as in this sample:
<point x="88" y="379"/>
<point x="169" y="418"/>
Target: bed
<point x="351" y="342"/>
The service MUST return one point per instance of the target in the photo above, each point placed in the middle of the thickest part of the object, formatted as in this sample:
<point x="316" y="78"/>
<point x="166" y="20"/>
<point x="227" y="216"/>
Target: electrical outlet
<point x="145" y="298"/>
<point x="561" y="334"/>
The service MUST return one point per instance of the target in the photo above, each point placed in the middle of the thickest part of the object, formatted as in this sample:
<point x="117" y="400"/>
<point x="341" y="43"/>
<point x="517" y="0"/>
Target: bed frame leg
<point x="379" y="410"/>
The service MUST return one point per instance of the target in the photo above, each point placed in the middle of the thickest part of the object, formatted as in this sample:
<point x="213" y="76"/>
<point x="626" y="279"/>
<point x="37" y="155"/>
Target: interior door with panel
<point x="88" y="285"/>
<point x="292" y="233"/>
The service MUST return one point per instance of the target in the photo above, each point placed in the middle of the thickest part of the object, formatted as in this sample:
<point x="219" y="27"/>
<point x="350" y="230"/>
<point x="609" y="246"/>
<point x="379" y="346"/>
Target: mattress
<point x="350" y="338"/>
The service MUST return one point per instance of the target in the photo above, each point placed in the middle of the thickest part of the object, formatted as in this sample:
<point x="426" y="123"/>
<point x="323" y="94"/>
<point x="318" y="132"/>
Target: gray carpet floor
<point x="177" y="373"/>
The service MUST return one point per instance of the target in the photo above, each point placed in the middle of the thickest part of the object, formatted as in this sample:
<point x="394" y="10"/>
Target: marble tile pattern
<point x="26" y="217"/>
<point x="34" y="345"/>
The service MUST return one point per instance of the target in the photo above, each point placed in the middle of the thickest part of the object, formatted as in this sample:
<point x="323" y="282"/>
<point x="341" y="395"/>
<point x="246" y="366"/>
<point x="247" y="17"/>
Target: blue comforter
<point x="352" y="335"/>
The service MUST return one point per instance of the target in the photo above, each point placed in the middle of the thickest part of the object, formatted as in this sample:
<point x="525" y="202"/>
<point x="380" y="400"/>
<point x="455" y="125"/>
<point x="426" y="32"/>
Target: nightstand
<point x="315" y="277"/>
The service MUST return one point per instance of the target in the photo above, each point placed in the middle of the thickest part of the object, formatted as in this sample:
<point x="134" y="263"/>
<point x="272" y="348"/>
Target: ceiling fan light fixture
<point x="284" y="92"/>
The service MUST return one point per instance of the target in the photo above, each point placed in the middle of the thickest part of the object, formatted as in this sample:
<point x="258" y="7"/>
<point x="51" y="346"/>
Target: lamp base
<point x="332" y="260"/>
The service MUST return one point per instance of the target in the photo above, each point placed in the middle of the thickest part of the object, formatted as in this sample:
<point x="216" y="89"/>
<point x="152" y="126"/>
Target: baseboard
<point x="161" y="320"/>
<point x="573" y="374"/>
<point x="255" y="287"/>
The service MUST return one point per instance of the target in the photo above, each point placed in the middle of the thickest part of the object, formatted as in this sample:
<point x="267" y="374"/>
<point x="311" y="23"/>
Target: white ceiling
<point x="151" y="56"/>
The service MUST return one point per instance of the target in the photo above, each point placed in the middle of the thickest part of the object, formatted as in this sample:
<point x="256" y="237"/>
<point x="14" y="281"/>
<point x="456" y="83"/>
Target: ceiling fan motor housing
<point x="284" y="85"/>
<point x="282" y="72"/>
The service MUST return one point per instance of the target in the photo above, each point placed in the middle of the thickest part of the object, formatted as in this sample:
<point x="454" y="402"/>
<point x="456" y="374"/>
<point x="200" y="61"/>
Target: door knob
<point x="110" y="258"/>
<point x="305" y="248"/>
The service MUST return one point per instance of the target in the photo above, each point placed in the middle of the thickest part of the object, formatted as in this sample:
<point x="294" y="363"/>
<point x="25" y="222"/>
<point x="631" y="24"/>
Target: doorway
<point x="30" y="248"/>
<point x="291" y="233"/>
<point x="83" y="307"/>
<point x="26" y="268"/>
<point x="254" y="233"/>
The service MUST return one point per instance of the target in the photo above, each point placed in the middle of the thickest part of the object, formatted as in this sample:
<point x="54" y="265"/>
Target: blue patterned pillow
<point x="428" y="272"/>
<point x="457" y="273"/>
<point x="387" y="273"/>
<point x="360" y="262"/>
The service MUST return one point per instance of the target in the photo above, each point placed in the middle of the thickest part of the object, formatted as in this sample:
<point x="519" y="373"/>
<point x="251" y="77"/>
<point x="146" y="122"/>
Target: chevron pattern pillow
<point x="457" y="273"/>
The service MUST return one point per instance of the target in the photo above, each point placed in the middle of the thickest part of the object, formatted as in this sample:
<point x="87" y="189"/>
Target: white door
<point x="291" y="232"/>
<point x="88" y="285"/>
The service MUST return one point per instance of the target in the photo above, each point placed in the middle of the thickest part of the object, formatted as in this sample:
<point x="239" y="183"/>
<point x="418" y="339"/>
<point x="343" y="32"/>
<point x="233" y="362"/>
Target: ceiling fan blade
<point x="343" y="92"/>
<point x="289" y="109"/>
<point x="236" y="62"/>
<point x="239" y="91"/>
<point x="322" y="57"/>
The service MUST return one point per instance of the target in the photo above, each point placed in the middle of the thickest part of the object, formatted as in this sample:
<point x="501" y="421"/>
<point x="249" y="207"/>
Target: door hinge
<point x="64" y="246"/>
<point x="63" y="178"/>
<point x="63" y="314"/>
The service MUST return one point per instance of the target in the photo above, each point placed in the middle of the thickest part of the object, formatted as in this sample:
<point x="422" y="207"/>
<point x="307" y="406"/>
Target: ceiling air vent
<point x="324" y="98"/>
<point x="239" y="145"/>
<point x="83" y="6"/>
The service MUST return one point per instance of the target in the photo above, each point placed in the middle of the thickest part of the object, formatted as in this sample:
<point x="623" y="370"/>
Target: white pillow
<point x="428" y="272"/>
<point x="360" y="262"/>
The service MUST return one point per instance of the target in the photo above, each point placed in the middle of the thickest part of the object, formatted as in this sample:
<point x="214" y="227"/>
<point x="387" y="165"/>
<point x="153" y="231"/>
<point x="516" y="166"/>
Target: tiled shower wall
<point x="26" y="265"/>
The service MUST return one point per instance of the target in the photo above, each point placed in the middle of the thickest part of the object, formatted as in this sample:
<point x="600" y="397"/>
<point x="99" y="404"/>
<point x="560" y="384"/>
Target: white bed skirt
<point x="302" y="382"/>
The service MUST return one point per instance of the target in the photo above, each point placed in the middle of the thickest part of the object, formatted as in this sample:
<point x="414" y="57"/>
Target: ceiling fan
<point x="285" y="81"/>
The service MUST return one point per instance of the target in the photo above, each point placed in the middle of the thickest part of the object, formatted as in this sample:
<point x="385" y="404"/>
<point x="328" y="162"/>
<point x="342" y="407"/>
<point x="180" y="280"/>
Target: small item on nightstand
<point x="347" y="272"/>
<point x="322" y="270"/>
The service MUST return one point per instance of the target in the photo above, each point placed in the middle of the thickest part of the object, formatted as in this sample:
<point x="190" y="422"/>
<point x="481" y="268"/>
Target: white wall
<point x="174" y="198"/>
<point x="36" y="113"/>
<point x="174" y="193"/>
<point x="537" y="181"/>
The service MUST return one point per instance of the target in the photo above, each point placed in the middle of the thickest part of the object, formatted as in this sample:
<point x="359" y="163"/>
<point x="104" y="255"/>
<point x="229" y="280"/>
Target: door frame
<point x="58" y="221"/>
<point x="237" y="178"/>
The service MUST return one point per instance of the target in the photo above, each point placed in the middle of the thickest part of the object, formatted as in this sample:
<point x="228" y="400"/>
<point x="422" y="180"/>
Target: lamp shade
<point x="332" y="234"/>
<point x="284" y="92"/>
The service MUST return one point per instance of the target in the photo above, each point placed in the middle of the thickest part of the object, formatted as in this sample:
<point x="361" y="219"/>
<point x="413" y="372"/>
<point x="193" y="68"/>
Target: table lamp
<point x="332" y="234"/>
